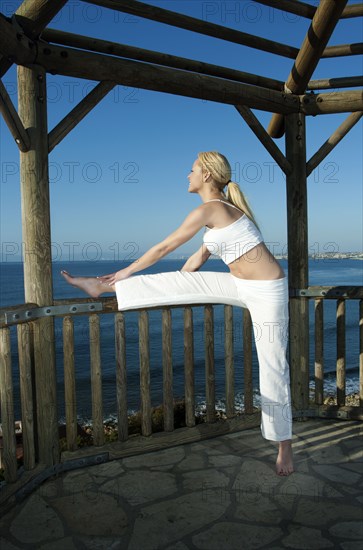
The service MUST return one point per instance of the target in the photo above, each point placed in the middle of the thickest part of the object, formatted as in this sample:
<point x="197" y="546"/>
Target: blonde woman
<point x="255" y="281"/>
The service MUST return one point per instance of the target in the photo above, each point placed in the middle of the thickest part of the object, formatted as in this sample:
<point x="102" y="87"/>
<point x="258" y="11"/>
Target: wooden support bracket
<point x="264" y="138"/>
<point x="334" y="139"/>
<point x="13" y="121"/>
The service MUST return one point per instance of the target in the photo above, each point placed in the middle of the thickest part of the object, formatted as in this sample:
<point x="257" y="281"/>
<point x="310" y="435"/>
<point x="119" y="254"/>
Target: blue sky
<point x="118" y="182"/>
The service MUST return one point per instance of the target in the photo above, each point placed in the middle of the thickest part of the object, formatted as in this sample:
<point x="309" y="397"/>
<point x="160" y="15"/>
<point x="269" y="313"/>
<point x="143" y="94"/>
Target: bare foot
<point x="90" y="285"/>
<point x="284" y="462"/>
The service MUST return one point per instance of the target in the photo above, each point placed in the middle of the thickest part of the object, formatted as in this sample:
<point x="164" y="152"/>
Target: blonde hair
<point x="220" y="170"/>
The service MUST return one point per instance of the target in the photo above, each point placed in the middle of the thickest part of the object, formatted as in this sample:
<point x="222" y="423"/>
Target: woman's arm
<point x="190" y="226"/>
<point x="196" y="261"/>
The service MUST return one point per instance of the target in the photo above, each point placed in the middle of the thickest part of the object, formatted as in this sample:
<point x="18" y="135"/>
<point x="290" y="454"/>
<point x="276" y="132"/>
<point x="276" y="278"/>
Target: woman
<point x="255" y="281"/>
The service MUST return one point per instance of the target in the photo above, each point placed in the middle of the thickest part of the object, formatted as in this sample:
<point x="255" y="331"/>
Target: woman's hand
<point x="112" y="278"/>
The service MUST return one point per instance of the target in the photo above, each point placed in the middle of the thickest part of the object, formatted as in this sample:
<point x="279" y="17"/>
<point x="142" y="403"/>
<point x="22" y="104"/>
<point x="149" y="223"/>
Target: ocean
<point x="324" y="272"/>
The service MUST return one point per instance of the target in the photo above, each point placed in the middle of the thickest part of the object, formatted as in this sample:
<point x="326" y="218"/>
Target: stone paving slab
<point x="218" y="494"/>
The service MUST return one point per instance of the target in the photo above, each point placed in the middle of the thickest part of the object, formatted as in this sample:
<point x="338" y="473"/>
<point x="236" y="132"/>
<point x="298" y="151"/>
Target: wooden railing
<point x="24" y="318"/>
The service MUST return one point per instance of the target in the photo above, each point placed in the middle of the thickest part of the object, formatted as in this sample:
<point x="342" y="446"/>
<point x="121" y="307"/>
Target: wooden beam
<point x="297" y="227"/>
<point x="12" y="45"/>
<point x="264" y="138"/>
<point x="37" y="253"/>
<point x="79" y="64"/>
<point x="341" y="82"/>
<point x="332" y="102"/>
<point x="13" y="121"/>
<point x="343" y="50"/>
<point x="33" y="16"/>
<point x="149" y="56"/>
<point x="355" y="10"/>
<point x="175" y="19"/>
<point x="321" y="28"/>
<point x="78" y="113"/>
<point x="181" y="21"/>
<point x="291" y="6"/>
<point x="334" y="139"/>
<point x="306" y="10"/>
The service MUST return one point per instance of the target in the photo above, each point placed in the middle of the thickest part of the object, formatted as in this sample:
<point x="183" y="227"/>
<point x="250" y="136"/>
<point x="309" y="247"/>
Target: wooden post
<point x="210" y="383"/>
<point x="69" y="383"/>
<point x="144" y="353"/>
<point x="37" y="260"/>
<point x="319" y="351"/>
<point x="229" y="360"/>
<point x="7" y="407"/>
<point x="341" y="353"/>
<point x="96" y="381"/>
<point x="168" y="401"/>
<point x="26" y="393"/>
<point x="189" y="367"/>
<point x="121" y="377"/>
<point x="296" y="195"/>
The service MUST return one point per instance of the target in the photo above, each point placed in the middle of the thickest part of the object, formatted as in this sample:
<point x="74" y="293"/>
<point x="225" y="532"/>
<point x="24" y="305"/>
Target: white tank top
<point x="233" y="240"/>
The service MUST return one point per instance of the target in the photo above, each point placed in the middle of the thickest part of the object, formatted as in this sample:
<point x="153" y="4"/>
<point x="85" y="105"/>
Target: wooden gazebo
<point x="37" y="49"/>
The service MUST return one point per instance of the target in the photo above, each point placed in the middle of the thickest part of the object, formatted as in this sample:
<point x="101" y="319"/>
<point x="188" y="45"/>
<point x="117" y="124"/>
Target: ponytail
<point x="236" y="197"/>
<point x="219" y="168"/>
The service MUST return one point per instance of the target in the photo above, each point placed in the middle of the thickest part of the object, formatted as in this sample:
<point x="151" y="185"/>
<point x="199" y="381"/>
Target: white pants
<point x="267" y="301"/>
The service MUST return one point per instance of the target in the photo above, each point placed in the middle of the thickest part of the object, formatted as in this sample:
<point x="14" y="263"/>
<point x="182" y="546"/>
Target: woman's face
<point x="195" y="177"/>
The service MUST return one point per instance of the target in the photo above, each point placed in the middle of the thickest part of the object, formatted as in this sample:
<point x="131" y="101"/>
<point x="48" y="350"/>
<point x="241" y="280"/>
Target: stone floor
<point x="218" y="494"/>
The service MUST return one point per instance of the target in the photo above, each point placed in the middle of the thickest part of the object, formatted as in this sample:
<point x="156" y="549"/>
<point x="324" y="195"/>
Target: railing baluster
<point x="26" y="394"/>
<point x="7" y="408"/>
<point x="146" y="425"/>
<point x="341" y="352"/>
<point x="319" y="351"/>
<point x="209" y="363"/>
<point x="247" y="361"/>
<point x="361" y="353"/>
<point x="189" y="367"/>
<point x="69" y="383"/>
<point x="168" y="404"/>
<point x="96" y="381"/>
<point x="229" y="360"/>
<point x="121" y="377"/>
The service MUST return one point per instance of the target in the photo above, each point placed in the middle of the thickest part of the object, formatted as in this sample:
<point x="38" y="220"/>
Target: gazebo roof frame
<point x="26" y="41"/>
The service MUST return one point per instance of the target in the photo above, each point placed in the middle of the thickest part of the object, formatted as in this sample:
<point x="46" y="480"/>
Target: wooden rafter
<point x="163" y="79"/>
<point x="34" y="16"/>
<point x="334" y="139"/>
<point x="104" y="46"/>
<point x="342" y="82"/>
<point x="187" y="22"/>
<point x="320" y="30"/>
<point x="306" y="10"/>
<point x="343" y="50"/>
<point x="80" y="64"/>
<point x="149" y="56"/>
<point x="13" y="121"/>
<point x="175" y="19"/>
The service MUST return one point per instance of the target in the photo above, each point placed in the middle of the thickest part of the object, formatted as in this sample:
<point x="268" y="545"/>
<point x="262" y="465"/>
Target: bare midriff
<point x="258" y="263"/>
